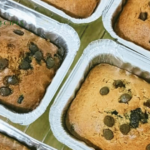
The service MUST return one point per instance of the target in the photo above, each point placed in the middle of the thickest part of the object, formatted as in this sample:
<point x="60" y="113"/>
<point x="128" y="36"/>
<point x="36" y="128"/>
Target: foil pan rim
<point x="92" y="18"/>
<point x="59" y="107"/>
<point x="107" y="17"/>
<point x="22" y="137"/>
<point x="67" y="33"/>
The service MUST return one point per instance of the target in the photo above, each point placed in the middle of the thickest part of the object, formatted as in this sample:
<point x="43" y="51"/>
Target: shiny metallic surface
<point x="96" y="14"/>
<point x="100" y="51"/>
<point x="109" y="16"/>
<point x="21" y="137"/>
<point x="60" y="34"/>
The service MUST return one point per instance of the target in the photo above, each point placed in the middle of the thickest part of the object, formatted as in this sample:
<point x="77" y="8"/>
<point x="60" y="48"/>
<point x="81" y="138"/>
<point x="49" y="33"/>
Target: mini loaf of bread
<point x="133" y="23"/>
<point x="75" y="8"/>
<point x="7" y="143"/>
<point x="111" y="110"/>
<point x="28" y="64"/>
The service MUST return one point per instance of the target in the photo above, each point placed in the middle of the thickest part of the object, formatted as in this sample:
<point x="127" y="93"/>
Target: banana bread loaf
<point x="77" y="8"/>
<point x="28" y="64"/>
<point x="133" y="23"/>
<point x="7" y="143"/>
<point x="111" y="110"/>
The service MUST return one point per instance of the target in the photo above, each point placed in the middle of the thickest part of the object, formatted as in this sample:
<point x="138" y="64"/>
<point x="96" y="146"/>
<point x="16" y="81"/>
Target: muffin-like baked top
<point x="111" y="110"/>
<point x="27" y="66"/>
<point x="77" y="8"/>
<point x="133" y="23"/>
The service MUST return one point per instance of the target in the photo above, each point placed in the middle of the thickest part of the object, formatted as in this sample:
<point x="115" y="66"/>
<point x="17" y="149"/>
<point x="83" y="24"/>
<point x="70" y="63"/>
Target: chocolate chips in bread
<point x="133" y="22"/>
<point x="28" y="64"/>
<point x="111" y="110"/>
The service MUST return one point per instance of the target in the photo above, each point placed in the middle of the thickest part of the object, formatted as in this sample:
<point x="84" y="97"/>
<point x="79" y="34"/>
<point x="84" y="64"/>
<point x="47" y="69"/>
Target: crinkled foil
<point x="60" y="34"/>
<point x="96" y="14"/>
<point x="20" y="136"/>
<point x="109" y="16"/>
<point x="100" y="51"/>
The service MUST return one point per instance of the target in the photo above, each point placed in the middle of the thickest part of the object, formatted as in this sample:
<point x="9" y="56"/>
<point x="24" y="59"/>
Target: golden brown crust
<point x="129" y="25"/>
<point x="85" y="116"/>
<point x="7" y="143"/>
<point x="33" y="81"/>
<point x="77" y="8"/>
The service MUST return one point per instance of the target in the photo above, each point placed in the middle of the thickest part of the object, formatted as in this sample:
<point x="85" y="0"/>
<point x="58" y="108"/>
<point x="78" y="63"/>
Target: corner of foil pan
<point x="103" y="44"/>
<point x="73" y="144"/>
<point x="22" y="137"/>
<point x="56" y="115"/>
<point x="114" y="7"/>
<point x="96" y="14"/>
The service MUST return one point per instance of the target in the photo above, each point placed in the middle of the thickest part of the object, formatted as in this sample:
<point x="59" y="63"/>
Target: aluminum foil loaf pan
<point x="96" y="14"/>
<point x="60" y="34"/>
<point x="109" y="17"/>
<point x="23" y="138"/>
<point x="100" y="51"/>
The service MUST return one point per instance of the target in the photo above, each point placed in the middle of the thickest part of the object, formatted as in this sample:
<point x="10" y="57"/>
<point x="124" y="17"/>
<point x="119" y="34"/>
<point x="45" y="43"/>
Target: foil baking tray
<point x="96" y="14"/>
<point x="100" y="51"/>
<point x="109" y="16"/>
<point x="60" y="34"/>
<point x="21" y="137"/>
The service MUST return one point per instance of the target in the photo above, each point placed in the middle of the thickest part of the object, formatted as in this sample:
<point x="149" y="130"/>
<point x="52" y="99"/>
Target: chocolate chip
<point x="104" y="91"/>
<point x="11" y="80"/>
<point x="50" y="62"/>
<point x="109" y="121"/>
<point x="148" y="147"/>
<point x="114" y="112"/>
<point x="28" y="57"/>
<point x="143" y="16"/>
<point x="3" y="63"/>
<point x="33" y="47"/>
<point x="134" y="118"/>
<point x="20" y="99"/>
<point x="137" y="116"/>
<point x="5" y="91"/>
<point x="125" y="129"/>
<point x="61" y="52"/>
<point x="59" y="57"/>
<point x="108" y="134"/>
<point x="125" y="98"/>
<point x="25" y="65"/>
<point x="118" y="83"/>
<point x="19" y="32"/>
<point x="38" y="56"/>
<point x="147" y="103"/>
<point x="143" y="121"/>
<point x="143" y="117"/>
